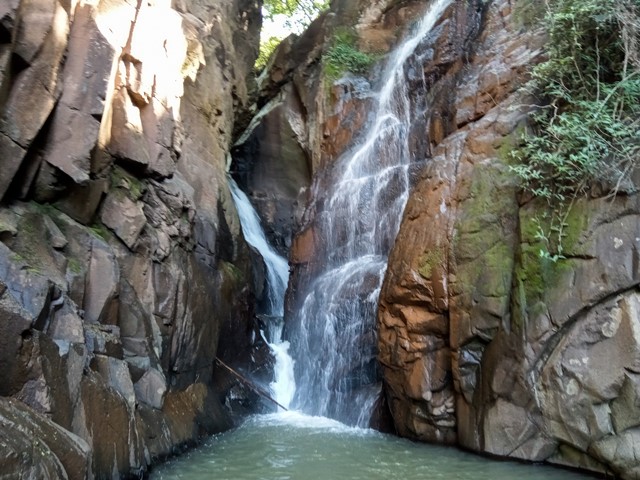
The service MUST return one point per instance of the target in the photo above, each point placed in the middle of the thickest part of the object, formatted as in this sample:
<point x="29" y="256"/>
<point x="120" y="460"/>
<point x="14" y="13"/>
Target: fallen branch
<point x="251" y="385"/>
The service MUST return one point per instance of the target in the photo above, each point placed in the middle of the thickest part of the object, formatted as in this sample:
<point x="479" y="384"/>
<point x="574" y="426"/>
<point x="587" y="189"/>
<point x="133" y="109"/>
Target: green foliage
<point x="294" y="15"/>
<point x="527" y="13"/>
<point x="74" y="265"/>
<point x="99" y="231"/>
<point x="429" y="261"/>
<point x="266" y="50"/>
<point x="587" y="130"/>
<point x="299" y="12"/>
<point x="344" y="56"/>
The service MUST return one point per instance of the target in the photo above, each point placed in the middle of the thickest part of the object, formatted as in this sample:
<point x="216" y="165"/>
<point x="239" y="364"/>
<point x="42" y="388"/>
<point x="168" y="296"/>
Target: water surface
<point x="293" y="446"/>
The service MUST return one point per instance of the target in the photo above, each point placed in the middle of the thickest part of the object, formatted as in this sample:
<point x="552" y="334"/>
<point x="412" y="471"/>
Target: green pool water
<point x="292" y="446"/>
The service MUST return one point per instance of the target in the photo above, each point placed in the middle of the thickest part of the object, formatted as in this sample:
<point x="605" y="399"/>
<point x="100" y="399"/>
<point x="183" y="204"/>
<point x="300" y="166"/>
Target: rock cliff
<point x="482" y="342"/>
<point x="123" y="272"/>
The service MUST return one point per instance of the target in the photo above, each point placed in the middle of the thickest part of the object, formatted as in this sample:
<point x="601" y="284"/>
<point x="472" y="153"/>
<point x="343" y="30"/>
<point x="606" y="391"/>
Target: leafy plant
<point x="344" y="56"/>
<point x="586" y="128"/>
<point x="266" y="50"/>
<point x="300" y="13"/>
<point x="293" y="16"/>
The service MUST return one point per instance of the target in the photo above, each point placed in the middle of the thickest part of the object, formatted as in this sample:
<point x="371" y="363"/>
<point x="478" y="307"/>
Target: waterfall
<point x="277" y="270"/>
<point x="358" y="217"/>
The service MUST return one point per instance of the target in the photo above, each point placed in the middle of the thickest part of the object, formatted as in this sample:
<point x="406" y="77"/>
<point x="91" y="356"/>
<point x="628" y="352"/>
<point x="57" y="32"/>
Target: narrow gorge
<point x="191" y="246"/>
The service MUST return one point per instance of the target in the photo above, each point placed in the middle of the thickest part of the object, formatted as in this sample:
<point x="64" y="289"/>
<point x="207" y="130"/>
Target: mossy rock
<point x="121" y="180"/>
<point x="540" y="269"/>
<point x="429" y="261"/>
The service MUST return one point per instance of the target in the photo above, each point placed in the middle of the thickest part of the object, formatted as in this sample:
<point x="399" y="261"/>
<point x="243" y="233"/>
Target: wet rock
<point x="150" y="388"/>
<point x="271" y="164"/>
<point x="33" y="446"/>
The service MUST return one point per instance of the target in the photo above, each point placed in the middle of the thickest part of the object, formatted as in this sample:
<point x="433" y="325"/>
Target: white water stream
<point x="277" y="269"/>
<point x="358" y="215"/>
<point x="358" y="211"/>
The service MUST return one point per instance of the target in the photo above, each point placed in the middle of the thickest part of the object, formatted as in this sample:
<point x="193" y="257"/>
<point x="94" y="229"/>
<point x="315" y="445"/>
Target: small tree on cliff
<point x="283" y="17"/>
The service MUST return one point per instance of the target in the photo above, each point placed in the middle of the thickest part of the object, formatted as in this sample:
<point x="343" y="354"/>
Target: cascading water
<point x="277" y="269"/>
<point x="358" y="217"/>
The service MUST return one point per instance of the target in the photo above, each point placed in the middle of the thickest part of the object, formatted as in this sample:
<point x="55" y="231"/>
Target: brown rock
<point x="127" y="140"/>
<point x="83" y="201"/>
<point x="12" y="155"/>
<point x="157" y="88"/>
<point x="124" y="216"/>
<point x="108" y="419"/>
<point x="35" y="447"/>
<point x="103" y="276"/>
<point x="271" y="164"/>
<point x="41" y="45"/>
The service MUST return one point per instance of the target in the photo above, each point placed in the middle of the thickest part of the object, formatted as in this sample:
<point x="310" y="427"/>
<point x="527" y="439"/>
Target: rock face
<point x="483" y="342"/>
<point x="123" y="272"/>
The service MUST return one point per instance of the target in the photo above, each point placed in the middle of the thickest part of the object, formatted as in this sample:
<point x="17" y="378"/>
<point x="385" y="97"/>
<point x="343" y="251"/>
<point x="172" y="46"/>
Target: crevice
<point x="553" y="342"/>
<point x="5" y="34"/>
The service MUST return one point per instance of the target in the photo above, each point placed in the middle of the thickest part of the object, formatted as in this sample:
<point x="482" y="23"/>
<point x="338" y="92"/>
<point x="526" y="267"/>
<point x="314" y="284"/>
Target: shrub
<point x="344" y="56"/>
<point x="291" y="16"/>
<point x="587" y="130"/>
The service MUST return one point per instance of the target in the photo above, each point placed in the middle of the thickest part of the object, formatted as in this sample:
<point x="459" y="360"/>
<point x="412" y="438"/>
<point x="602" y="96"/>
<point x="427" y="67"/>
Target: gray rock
<point x="103" y="339"/>
<point x="124" y="216"/>
<point x="33" y="446"/>
<point x="103" y="277"/>
<point x="66" y="327"/>
<point x="55" y="236"/>
<point x="115" y="373"/>
<point x="151" y="388"/>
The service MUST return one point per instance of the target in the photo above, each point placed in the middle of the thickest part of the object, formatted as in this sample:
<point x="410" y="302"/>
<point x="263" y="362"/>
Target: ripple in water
<point x="293" y="446"/>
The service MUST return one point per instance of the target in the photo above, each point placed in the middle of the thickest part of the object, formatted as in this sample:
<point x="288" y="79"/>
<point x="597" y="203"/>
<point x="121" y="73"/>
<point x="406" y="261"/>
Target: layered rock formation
<point x="482" y="342"/>
<point x="123" y="273"/>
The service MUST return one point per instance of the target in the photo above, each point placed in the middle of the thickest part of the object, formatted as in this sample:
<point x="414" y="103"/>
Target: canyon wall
<point x="123" y="271"/>
<point x="482" y="341"/>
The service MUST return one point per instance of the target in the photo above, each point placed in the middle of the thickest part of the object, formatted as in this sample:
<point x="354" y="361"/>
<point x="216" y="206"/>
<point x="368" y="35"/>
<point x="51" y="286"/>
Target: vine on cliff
<point x="586" y="130"/>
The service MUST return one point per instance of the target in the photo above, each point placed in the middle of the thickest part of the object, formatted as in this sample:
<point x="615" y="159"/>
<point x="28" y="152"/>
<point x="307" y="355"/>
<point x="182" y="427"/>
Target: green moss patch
<point x="121" y="179"/>
<point x="429" y="261"/>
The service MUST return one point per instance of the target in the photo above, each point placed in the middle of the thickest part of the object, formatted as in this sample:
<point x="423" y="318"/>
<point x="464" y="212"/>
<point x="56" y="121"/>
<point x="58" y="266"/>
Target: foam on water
<point x="294" y="446"/>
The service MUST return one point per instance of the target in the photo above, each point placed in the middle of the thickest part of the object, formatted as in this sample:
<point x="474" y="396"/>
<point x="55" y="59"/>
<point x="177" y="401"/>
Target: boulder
<point x="33" y="446"/>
